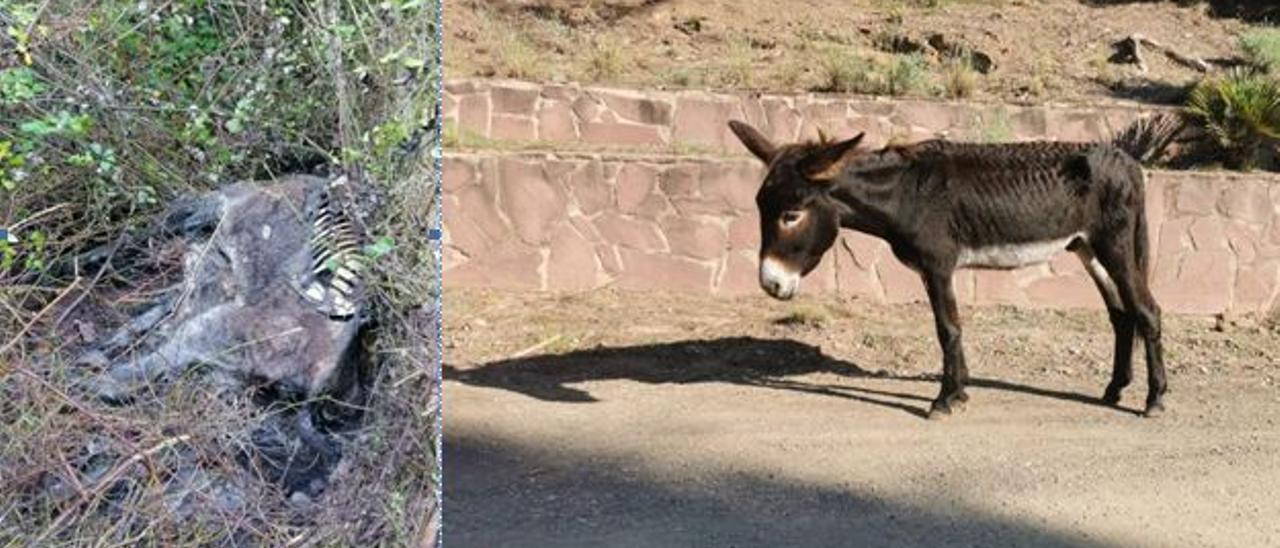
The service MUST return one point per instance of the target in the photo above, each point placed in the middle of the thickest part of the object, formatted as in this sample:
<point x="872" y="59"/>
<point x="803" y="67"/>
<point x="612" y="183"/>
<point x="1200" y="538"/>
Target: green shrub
<point x="1262" y="48"/>
<point x="843" y="72"/>
<point x="907" y="74"/>
<point x="1241" y="111"/>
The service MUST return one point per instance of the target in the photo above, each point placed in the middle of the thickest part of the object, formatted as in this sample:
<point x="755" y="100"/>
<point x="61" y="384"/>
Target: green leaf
<point x="20" y="84"/>
<point x="383" y="246"/>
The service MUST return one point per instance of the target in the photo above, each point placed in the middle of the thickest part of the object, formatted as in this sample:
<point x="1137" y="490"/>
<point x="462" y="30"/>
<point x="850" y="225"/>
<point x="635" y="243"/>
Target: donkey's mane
<point x="1144" y="140"/>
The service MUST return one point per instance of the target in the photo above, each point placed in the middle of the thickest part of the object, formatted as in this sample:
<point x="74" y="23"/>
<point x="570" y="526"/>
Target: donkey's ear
<point x="827" y="162"/>
<point x="757" y="143"/>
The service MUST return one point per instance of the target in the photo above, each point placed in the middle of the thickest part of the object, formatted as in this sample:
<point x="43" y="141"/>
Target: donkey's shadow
<point x="736" y="360"/>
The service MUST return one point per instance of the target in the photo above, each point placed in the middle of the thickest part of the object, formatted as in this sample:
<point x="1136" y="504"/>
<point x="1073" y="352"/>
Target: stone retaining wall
<point x="573" y="222"/>
<point x="697" y="120"/>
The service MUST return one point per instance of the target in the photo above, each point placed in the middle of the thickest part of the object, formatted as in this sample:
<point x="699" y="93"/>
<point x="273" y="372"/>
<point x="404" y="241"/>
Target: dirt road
<point x="615" y="419"/>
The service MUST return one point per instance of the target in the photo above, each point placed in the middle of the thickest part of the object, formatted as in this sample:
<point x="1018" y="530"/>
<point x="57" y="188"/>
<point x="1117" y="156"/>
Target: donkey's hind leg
<point x="1118" y="258"/>
<point x="955" y="374"/>
<point x="1122" y="324"/>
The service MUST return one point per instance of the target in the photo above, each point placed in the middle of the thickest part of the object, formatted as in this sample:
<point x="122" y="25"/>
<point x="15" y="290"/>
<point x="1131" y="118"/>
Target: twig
<point x="545" y="342"/>
<point x="92" y="282"/>
<point x="23" y="223"/>
<point x="23" y="332"/>
<point x="110" y="478"/>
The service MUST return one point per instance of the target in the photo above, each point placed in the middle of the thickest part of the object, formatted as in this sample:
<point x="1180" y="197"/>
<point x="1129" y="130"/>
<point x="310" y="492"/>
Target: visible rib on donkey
<point x="943" y="206"/>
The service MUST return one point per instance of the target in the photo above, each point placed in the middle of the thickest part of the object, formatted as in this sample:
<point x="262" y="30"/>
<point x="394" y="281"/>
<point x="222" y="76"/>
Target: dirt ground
<point x="637" y="419"/>
<point x="1042" y="49"/>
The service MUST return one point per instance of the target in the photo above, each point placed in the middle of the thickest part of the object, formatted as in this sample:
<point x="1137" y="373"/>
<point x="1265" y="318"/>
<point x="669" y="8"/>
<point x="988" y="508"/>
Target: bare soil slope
<point x="1042" y="49"/>
<point x="625" y="419"/>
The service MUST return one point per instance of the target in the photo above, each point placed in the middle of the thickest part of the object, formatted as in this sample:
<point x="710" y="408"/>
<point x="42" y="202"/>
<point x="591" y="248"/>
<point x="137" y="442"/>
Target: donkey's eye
<point x="790" y="218"/>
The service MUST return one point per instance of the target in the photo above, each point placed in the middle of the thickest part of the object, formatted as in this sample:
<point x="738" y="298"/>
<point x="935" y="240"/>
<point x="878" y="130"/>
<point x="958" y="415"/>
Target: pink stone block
<point x="637" y="108"/>
<point x="695" y="238"/>
<point x="589" y="188"/>
<point x="1066" y="263"/>
<point x="702" y="206"/>
<point x="741" y="275"/>
<point x="463" y="87"/>
<point x="1196" y="196"/>
<point x="866" y="250"/>
<point x="735" y="184"/>
<point x="782" y="122"/>
<point x="1243" y="239"/>
<point x="473" y="114"/>
<point x="532" y="203"/>
<point x="826" y="114"/>
<point x="1246" y="201"/>
<point x="932" y="116"/>
<point x="854" y="281"/>
<point x="662" y="272"/>
<point x="901" y="284"/>
<point x="1026" y="123"/>
<point x="508" y="266"/>
<point x="514" y="99"/>
<point x="997" y="287"/>
<point x="460" y="232"/>
<point x="1202" y="285"/>
<point x="703" y="120"/>
<point x="556" y="122"/>
<point x="586" y="229"/>
<point x="457" y="172"/>
<point x="823" y="277"/>
<point x="605" y="133"/>
<point x="653" y="206"/>
<point x="609" y="259"/>
<point x="744" y="232"/>
<point x="571" y="264"/>
<point x="1154" y="201"/>
<point x="680" y="179"/>
<point x="1256" y="287"/>
<point x="1208" y="233"/>
<point x="588" y="109"/>
<point x="630" y="233"/>
<point x="1073" y="126"/>
<point x="635" y="183"/>
<point x="752" y="110"/>
<point x="1175" y="239"/>
<point x="477" y="205"/>
<point x="449" y="107"/>
<point x="1065" y="292"/>
<point x="560" y="92"/>
<point x="512" y="128"/>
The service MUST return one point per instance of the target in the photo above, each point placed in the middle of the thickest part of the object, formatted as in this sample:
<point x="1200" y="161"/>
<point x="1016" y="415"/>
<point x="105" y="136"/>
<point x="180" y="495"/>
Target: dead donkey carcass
<point x="270" y="294"/>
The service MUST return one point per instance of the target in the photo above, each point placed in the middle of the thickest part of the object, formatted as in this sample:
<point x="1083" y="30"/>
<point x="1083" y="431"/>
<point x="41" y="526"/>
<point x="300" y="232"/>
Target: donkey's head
<point x="799" y="220"/>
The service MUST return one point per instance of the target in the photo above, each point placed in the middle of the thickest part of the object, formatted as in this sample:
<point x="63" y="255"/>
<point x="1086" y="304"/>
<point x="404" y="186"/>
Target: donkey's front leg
<point x="947" y="318"/>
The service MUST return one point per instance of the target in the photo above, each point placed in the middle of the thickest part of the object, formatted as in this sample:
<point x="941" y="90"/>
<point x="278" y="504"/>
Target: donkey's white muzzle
<point x="777" y="279"/>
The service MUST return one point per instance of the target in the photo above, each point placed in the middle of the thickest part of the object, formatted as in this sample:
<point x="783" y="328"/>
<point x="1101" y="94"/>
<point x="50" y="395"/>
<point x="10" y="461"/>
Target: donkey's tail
<point x="1147" y="139"/>
<point x="1141" y="245"/>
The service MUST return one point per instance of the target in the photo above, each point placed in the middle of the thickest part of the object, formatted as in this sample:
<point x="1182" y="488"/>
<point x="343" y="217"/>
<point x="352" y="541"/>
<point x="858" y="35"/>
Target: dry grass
<point x="179" y="97"/>
<point x="959" y="80"/>
<point x="607" y="61"/>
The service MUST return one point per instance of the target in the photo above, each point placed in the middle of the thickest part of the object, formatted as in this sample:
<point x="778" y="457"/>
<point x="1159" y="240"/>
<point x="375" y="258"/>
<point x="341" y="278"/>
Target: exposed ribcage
<point x="334" y="280"/>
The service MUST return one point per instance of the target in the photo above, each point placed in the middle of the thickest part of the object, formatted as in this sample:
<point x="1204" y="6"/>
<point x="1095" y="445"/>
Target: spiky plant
<point x="1241" y="111"/>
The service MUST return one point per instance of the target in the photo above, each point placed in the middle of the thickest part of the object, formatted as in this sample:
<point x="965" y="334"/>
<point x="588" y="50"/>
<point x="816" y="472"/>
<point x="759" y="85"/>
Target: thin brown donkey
<point x="944" y="206"/>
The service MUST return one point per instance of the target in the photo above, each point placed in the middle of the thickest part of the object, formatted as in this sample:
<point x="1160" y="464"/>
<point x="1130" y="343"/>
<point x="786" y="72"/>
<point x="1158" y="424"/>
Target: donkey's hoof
<point x="942" y="409"/>
<point x="1111" y="398"/>
<point x="1154" y="410"/>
